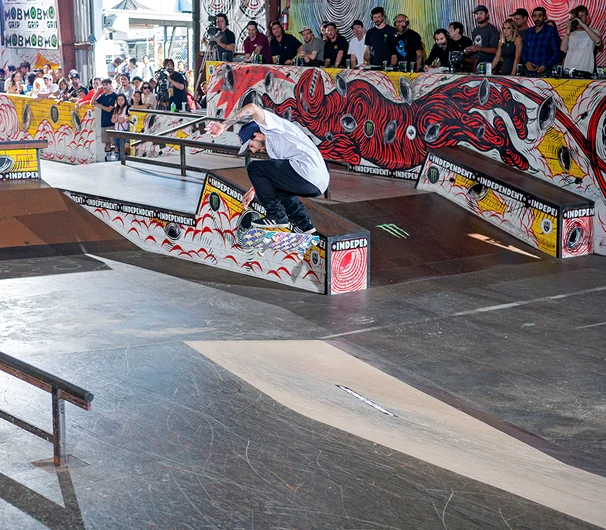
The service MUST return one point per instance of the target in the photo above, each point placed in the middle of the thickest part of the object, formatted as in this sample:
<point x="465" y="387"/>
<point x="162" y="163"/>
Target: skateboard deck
<point x="261" y="240"/>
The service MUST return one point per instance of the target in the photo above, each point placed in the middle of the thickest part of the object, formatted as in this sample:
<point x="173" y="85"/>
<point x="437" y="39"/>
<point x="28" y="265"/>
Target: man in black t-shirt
<point x="106" y="102"/>
<point x="283" y="45"/>
<point x="407" y="45"/>
<point x="335" y="48"/>
<point x="178" y="89"/>
<point x="379" y="39"/>
<point x="225" y="40"/>
<point x="458" y="41"/>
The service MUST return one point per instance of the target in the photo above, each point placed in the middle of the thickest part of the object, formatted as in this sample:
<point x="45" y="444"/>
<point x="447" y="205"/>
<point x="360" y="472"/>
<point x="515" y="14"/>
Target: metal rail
<point x="61" y="392"/>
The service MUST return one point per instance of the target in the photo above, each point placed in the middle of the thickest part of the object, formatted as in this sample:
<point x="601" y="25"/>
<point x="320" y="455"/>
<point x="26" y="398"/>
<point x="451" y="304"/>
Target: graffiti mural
<point x="426" y="16"/>
<point x="385" y="123"/>
<point x="73" y="134"/>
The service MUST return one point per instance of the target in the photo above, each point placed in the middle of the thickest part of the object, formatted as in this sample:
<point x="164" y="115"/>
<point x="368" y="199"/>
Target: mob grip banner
<point x="29" y="24"/>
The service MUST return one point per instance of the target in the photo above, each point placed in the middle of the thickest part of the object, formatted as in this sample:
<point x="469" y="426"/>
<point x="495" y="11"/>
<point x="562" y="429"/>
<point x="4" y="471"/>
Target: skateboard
<point x="261" y="240"/>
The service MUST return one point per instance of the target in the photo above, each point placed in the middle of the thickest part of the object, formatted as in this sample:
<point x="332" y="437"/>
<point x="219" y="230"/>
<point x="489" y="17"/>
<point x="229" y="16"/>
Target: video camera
<point x="212" y="28"/>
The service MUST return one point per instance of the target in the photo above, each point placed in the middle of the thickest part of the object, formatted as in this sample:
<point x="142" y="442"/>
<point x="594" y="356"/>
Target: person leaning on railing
<point x="580" y="41"/>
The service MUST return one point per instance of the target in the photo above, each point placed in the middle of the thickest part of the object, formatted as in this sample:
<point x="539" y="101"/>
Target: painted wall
<point x="385" y="123"/>
<point x="426" y="15"/>
<point x="73" y="135"/>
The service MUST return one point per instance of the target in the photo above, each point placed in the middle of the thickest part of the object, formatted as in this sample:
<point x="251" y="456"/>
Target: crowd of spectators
<point x="517" y="48"/>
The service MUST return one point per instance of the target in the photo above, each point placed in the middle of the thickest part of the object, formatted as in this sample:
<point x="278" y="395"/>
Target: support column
<point x="65" y="19"/>
<point x="60" y="450"/>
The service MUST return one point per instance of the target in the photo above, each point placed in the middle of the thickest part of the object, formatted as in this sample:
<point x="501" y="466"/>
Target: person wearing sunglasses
<point x="148" y="100"/>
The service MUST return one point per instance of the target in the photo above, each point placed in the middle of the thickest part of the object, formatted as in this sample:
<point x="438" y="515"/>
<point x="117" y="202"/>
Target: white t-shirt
<point x="580" y="51"/>
<point x="357" y="48"/>
<point x="286" y="141"/>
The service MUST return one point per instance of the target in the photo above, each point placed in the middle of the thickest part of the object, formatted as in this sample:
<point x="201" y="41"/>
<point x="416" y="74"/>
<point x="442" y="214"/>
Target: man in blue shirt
<point x="541" y="45"/>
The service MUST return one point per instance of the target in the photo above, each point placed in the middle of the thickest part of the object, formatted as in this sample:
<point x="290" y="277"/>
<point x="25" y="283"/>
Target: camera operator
<point x="580" y="41"/>
<point x="178" y="83"/>
<point x="224" y="41"/>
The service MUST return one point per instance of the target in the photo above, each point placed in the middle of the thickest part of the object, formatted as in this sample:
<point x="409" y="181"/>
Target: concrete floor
<point x="177" y="440"/>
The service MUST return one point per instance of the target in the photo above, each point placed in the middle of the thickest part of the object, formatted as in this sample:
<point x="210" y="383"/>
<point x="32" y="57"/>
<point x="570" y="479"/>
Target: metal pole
<point x="60" y="450"/>
<point x="195" y="13"/>
<point x="182" y="149"/>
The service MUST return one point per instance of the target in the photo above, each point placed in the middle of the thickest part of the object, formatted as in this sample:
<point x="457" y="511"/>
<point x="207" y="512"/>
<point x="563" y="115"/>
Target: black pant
<point x="277" y="186"/>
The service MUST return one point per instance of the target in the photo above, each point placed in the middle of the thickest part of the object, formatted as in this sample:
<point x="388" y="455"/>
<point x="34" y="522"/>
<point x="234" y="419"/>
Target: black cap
<point x="520" y="11"/>
<point x="357" y="23"/>
<point x="480" y="9"/>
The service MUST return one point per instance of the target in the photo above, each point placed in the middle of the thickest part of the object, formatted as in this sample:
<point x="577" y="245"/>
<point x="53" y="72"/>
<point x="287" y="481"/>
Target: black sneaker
<point x="268" y="223"/>
<point x="303" y="227"/>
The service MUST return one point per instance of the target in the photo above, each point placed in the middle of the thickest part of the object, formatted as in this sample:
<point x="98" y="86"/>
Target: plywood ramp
<point x="309" y="376"/>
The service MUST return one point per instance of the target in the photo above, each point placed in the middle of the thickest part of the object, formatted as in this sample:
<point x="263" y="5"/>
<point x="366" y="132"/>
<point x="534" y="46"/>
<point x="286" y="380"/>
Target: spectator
<point x="95" y="91"/>
<point x="106" y="102"/>
<point x="284" y="47"/>
<point x="39" y="73"/>
<point x="76" y="85"/>
<point x="439" y="52"/>
<point x="63" y="89"/>
<point x="121" y="119"/>
<point x="126" y="88"/>
<point x="520" y="18"/>
<point x="580" y="41"/>
<point x="132" y="69"/>
<point x="256" y="43"/>
<point x="312" y="50"/>
<point x="96" y="83"/>
<point x="178" y="84"/>
<point x="14" y="85"/>
<point x="147" y="70"/>
<point x="541" y="45"/>
<point x="509" y="51"/>
<point x="137" y="82"/>
<point x="407" y="45"/>
<point x="148" y="98"/>
<point x="25" y="69"/>
<point x="114" y="67"/>
<point x="29" y="83"/>
<point x="153" y="83"/>
<point x="458" y="40"/>
<point x="181" y="67"/>
<point x="58" y="74"/>
<point x="138" y="101"/>
<point x="47" y="68"/>
<point x="335" y="47"/>
<point x="323" y="27"/>
<point x="485" y="37"/>
<point x="9" y="72"/>
<point x="2" y="79"/>
<point x="356" y="44"/>
<point x="225" y="40"/>
<point x="378" y="39"/>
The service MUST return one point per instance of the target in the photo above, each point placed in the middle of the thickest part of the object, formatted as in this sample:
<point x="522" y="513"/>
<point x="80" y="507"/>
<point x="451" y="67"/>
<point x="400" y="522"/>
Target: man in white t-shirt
<point x="580" y="41"/>
<point x="356" y="44"/>
<point x="295" y="168"/>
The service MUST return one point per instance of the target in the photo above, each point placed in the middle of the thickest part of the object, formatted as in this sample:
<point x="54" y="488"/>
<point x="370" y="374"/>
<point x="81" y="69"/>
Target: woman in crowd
<point x="137" y="100"/>
<point x="63" y="88"/>
<point x="29" y="84"/>
<point x="509" y="50"/>
<point x="15" y="86"/>
<point x="148" y="98"/>
<point x="121" y="118"/>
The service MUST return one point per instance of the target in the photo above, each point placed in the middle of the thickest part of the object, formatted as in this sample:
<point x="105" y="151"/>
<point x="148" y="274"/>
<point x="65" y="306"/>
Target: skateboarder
<point x="295" y="168"/>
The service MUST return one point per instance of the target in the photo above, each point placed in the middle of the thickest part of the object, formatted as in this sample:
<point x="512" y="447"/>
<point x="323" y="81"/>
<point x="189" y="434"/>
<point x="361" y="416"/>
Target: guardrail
<point x="61" y="392"/>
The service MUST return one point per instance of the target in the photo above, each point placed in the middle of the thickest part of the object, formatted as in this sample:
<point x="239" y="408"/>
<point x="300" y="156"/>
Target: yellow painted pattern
<point x="33" y="112"/>
<point x="550" y="147"/>
<point x="545" y="229"/>
<point x="23" y="160"/>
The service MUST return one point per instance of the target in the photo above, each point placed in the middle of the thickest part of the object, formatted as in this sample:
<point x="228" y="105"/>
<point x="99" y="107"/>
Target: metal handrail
<point x="61" y="392"/>
<point x="175" y="129"/>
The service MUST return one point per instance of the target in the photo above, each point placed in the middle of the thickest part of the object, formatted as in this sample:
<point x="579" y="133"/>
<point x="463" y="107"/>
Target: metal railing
<point x="61" y="392"/>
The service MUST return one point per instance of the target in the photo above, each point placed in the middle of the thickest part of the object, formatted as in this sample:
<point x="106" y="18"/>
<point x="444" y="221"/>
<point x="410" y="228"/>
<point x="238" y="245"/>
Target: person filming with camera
<point x="178" y="85"/>
<point x="580" y="41"/>
<point x="224" y="42"/>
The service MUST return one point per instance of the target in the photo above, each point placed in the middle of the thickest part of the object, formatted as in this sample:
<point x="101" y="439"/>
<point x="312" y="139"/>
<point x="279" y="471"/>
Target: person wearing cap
<point x="295" y="168"/>
<point x="356" y="44"/>
<point x="284" y="47"/>
<point x="379" y="39"/>
<point x="49" y="89"/>
<point x="541" y="45"/>
<point x="407" y="45"/>
<point x="520" y="17"/>
<point x="580" y="41"/>
<point x="335" y="48"/>
<point x="312" y="49"/>
<point x="74" y="78"/>
<point x="485" y="37"/>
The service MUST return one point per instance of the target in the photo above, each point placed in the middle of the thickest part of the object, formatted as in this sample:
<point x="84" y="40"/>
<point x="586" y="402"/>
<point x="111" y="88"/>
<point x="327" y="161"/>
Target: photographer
<point x="224" y="41"/>
<point x="177" y="94"/>
<point x="580" y="41"/>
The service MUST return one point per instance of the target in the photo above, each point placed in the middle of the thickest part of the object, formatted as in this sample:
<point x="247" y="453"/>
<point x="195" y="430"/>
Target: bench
<point x="543" y="215"/>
